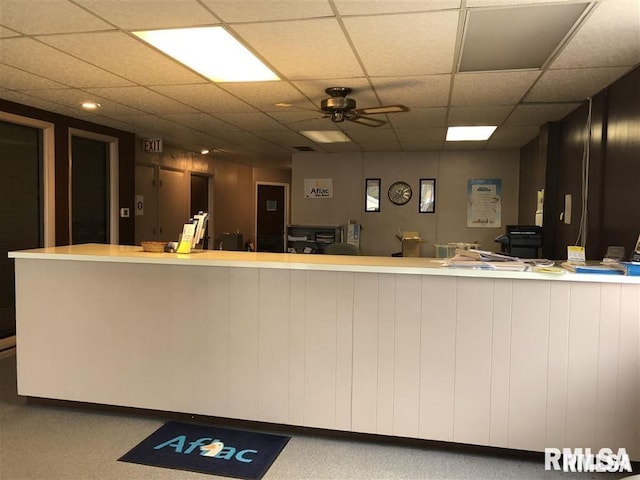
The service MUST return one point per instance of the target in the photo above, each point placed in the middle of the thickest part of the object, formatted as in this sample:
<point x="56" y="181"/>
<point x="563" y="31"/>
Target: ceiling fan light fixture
<point x="91" y="105"/>
<point x="210" y="51"/>
<point x="470" y="133"/>
<point x="326" y="136"/>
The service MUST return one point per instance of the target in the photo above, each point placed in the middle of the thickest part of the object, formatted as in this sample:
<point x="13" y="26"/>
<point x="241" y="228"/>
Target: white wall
<point x="451" y="169"/>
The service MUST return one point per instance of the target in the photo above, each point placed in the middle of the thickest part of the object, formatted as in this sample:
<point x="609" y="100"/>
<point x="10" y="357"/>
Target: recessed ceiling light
<point x="204" y="151"/>
<point x="326" y="136"/>
<point x="210" y="51"/>
<point x="90" y="105"/>
<point x="469" y="134"/>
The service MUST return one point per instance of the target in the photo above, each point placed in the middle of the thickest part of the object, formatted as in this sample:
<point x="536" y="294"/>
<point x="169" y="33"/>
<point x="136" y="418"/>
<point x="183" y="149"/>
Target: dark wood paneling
<point x="621" y="196"/>
<point x="614" y="171"/>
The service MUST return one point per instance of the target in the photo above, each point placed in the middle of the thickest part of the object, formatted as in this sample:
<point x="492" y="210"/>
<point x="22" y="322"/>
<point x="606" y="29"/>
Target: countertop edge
<point x="212" y="258"/>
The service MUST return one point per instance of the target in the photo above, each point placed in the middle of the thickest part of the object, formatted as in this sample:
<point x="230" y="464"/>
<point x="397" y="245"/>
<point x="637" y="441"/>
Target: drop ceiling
<point x="451" y="62"/>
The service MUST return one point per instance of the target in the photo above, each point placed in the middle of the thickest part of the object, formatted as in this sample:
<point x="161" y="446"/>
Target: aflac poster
<point x="318" y="188"/>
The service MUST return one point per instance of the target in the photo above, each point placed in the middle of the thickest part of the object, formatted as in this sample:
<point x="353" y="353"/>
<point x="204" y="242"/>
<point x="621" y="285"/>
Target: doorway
<point x="93" y="185"/>
<point x="272" y="212"/>
<point x="200" y="203"/>
<point x="89" y="191"/>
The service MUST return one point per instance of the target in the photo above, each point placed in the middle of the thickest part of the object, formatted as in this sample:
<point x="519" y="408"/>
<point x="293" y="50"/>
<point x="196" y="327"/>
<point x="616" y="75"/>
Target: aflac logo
<point x="209" y="447"/>
<point x="579" y="460"/>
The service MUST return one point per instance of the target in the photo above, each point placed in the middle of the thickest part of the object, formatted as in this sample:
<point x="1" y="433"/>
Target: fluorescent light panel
<point x="476" y="133"/>
<point x="210" y="51"/>
<point x="326" y="136"/>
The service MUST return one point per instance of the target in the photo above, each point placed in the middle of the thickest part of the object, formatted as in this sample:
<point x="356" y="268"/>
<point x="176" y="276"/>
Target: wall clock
<point x="400" y="193"/>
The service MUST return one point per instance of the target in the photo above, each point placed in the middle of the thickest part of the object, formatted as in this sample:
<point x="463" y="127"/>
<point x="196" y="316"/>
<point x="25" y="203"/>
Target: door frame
<point x="286" y="209"/>
<point x="48" y="171"/>
<point x="114" y="201"/>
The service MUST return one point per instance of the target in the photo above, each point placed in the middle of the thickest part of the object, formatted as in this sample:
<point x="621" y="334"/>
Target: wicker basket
<point x="153" y="246"/>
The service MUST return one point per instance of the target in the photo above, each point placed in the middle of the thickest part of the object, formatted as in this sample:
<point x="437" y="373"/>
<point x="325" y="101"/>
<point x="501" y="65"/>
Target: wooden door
<point x="271" y="218"/>
<point x="172" y="212"/>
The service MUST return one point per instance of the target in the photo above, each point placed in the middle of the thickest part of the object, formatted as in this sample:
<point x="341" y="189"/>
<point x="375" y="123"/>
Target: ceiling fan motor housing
<point x="337" y="104"/>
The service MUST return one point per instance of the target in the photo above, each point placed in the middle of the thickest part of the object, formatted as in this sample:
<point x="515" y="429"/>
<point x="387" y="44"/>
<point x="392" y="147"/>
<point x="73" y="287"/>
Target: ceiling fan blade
<point x="383" y="109"/>
<point x="368" y="121"/>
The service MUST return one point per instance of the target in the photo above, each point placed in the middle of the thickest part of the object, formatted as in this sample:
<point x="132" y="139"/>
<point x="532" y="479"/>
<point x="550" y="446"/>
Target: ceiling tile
<point x="73" y="99"/>
<point x="373" y="135"/>
<point x="32" y="101"/>
<point x="142" y="99"/>
<point x="150" y="14"/>
<point x="259" y="10"/>
<point x="141" y="64"/>
<point x="416" y="44"/>
<point x="287" y="138"/>
<point x="264" y="95"/>
<point x="478" y="115"/>
<point x="495" y="88"/>
<point x="573" y="85"/>
<point x="609" y="37"/>
<point x="251" y="121"/>
<point x="200" y="121"/>
<point x="305" y="49"/>
<point x="7" y="32"/>
<point x="464" y="145"/>
<point x="508" y="3"/>
<point x="13" y="78"/>
<point x="516" y="38"/>
<point x="417" y="91"/>
<point x="32" y="56"/>
<point x="421" y="134"/>
<point x="52" y="16"/>
<point x="206" y="97"/>
<point x="516" y="136"/>
<point x="292" y="116"/>
<point x="419" y="117"/>
<point x="536" y="115"/>
<point x="349" y="7"/>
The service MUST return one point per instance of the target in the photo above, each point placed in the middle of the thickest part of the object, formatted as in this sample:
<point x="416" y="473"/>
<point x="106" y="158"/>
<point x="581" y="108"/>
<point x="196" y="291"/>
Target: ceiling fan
<point x="339" y="108"/>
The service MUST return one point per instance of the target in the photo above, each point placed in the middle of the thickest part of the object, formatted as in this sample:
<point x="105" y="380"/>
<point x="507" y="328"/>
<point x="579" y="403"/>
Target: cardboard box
<point x="411" y="244"/>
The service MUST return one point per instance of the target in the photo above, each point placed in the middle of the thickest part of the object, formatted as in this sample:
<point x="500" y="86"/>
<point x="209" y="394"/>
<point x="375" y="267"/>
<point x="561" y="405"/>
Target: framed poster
<point x="427" y="202"/>
<point x="484" y="203"/>
<point x="372" y="195"/>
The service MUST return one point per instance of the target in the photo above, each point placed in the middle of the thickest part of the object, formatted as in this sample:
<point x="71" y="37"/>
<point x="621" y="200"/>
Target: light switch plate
<point x="567" y="209"/>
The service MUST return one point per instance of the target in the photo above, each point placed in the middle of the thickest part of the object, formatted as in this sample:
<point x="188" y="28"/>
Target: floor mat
<point x="208" y="449"/>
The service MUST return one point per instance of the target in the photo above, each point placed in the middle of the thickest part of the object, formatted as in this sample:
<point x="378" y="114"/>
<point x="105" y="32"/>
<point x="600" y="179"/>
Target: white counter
<point x="335" y="263"/>
<point x="392" y="346"/>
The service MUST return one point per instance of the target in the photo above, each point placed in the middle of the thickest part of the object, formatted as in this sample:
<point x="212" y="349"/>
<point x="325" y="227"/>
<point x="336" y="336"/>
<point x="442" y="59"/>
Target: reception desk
<point x="391" y="346"/>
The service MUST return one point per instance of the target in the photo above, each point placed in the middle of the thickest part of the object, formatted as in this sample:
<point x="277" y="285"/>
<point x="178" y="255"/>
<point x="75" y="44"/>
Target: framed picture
<point x="427" y="202"/>
<point x="372" y="195"/>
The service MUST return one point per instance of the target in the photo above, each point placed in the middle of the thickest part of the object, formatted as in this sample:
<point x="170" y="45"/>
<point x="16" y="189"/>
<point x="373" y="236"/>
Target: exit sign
<point x="152" y="145"/>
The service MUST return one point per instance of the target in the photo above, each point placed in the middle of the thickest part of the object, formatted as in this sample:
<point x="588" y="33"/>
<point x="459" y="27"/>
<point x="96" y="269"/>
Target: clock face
<point x="399" y="193"/>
